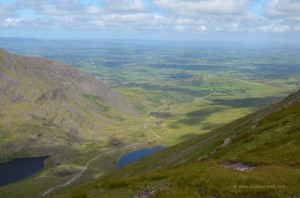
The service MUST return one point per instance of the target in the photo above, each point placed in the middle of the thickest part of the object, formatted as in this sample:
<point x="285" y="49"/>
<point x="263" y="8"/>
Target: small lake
<point x="133" y="156"/>
<point x="20" y="168"/>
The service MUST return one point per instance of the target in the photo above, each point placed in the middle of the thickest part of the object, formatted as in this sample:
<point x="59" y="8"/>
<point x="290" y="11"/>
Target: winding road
<point x="51" y="189"/>
<point x="149" y="118"/>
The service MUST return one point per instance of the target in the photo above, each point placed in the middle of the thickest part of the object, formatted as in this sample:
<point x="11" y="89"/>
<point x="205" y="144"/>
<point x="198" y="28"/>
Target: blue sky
<point x="220" y="20"/>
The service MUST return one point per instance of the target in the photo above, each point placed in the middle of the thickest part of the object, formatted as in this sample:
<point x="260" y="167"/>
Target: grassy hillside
<point x="50" y="108"/>
<point x="186" y="117"/>
<point x="255" y="156"/>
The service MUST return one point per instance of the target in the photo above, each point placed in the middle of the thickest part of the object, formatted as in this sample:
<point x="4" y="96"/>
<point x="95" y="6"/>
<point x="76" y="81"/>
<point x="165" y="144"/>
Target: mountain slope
<point x="255" y="156"/>
<point x="48" y="107"/>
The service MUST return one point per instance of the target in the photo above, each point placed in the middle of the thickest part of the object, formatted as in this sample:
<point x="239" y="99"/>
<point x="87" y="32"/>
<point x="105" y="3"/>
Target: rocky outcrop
<point x="54" y="94"/>
<point x="145" y="194"/>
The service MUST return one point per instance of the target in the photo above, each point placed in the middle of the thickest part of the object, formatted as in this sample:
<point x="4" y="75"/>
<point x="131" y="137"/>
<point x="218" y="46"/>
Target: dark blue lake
<point x="20" y="168"/>
<point x="136" y="155"/>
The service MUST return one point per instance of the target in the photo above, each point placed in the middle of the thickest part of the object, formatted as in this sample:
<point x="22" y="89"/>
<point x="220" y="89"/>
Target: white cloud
<point x="7" y="10"/>
<point x="281" y="28"/>
<point x="285" y="12"/>
<point x="31" y="3"/>
<point x="72" y="5"/>
<point x="283" y="8"/>
<point x="157" y="15"/>
<point x="179" y="28"/>
<point x="275" y="28"/>
<point x="93" y="10"/>
<point x="187" y="24"/>
<point x="123" y="5"/>
<point x="202" y="28"/>
<point x="62" y="7"/>
<point x="201" y="7"/>
<point x="134" y="21"/>
<point x="11" y="22"/>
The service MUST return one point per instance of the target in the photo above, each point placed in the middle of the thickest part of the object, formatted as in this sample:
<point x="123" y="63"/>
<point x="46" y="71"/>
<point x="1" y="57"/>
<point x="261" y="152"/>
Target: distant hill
<point x="48" y="107"/>
<point x="255" y="156"/>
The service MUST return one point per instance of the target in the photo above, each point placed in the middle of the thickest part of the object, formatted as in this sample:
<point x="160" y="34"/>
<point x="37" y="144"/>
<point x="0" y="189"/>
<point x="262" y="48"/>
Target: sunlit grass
<point x="194" y="168"/>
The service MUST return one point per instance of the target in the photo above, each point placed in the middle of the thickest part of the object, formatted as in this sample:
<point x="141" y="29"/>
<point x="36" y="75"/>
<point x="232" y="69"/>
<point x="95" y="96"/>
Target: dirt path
<point x="145" y="126"/>
<point x="70" y="181"/>
<point x="51" y="189"/>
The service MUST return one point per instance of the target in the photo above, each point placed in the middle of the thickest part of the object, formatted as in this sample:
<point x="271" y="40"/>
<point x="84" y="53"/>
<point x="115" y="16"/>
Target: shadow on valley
<point x="161" y="114"/>
<point x="195" y="117"/>
<point x="248" y="102"/>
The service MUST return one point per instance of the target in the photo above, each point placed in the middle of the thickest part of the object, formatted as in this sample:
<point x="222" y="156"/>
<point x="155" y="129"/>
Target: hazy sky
<point x="233" y="20"/>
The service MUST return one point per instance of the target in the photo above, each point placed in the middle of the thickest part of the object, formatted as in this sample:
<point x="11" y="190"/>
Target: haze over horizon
<point x="213" y="20"/>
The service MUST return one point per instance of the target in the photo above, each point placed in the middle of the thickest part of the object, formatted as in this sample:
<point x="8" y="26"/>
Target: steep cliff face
<point x="47" y="106"/>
